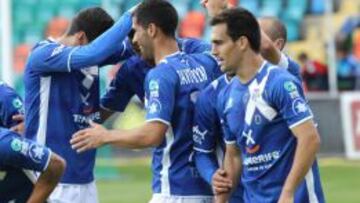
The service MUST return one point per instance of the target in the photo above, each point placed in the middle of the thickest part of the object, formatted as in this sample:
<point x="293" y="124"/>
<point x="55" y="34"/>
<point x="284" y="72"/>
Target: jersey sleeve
<point x="119" y="93"/>
<point x="290" y="65"/>
<point x="229" y="138"/>
<point x="54" y="57"/>
<point x="10" y="104"/>
<point x="160" y="89"/>
<point x="205" y="116"/>
<point x="288" y="98"/>
<point x="206" y="164"/>
<point x="22" y="153"/>
<point x="123" y="52"/>
<point x="192" y="45"/>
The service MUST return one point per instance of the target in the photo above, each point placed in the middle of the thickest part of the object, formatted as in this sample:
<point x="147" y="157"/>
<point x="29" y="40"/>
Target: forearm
<point x="132" y="139"/>
<point x="104" y="46"/>
<point x="232" y="166"/>
<point x="48" y="180"/>
<point x="206" y="164"/>
<point x="304" y="158"/>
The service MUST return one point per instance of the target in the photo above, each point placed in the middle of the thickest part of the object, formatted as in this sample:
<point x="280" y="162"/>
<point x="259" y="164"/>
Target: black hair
<point x="240" y="22"/>
<point x="159" y="12"/>
<point x="92" y="21"/>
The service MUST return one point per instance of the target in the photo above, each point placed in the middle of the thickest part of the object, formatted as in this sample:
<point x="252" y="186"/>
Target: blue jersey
<point x="62" y="94"/>
<point x="10" y="104"/>
<point x="208" y="136"/>
<point x="129" y="80"/>
<point x="16" y="154"/>
<point x="171" y="89"/>
<point x="291" y="66"/>
<point x="257" y="117"/>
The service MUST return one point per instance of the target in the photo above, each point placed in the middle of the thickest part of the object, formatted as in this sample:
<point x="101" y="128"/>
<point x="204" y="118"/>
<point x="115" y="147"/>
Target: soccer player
<point x="270" y="135"/>
<point x="129" y="80"/>
<point x="17" y="153"/>
<point x="170" y="91"/>
<point x="62" y="93"/>
<point x="208" y="137"/>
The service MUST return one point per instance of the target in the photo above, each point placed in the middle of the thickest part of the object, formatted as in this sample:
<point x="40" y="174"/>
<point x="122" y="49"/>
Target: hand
<point x="286" y="197"/>
<point x="89" y="138"/>
<point x="220" y="183"/>
<point x="19" y="128"/>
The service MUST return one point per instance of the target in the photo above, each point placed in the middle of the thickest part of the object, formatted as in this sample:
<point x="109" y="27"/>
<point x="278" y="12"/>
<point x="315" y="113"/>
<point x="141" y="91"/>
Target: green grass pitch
<point x="340" y="179"/>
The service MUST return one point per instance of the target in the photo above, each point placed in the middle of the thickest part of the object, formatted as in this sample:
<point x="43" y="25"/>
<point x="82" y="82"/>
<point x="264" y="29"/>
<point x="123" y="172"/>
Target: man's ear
<point x="82" y="38"/>
<point x="280" y="43"/>
<point x="152" y="30"/>
<point x="242" y="43"/>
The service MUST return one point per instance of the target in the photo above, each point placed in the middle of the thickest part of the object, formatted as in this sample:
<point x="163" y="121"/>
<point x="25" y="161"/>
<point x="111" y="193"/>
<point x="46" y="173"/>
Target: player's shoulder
<point x="6" y="90"/>
<point x="280" y="78"/>
<point x="45" y="48"/>
<point x="193" y="45"/>
<point x="133" y="64"/>
<point x="204" y="57"/>
<point x="224" y="92"/>
<point x="163" y="70"/>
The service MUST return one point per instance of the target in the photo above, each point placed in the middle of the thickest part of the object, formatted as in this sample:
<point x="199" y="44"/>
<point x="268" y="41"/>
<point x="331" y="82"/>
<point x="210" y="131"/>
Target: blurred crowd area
<point x="307" y="25"/>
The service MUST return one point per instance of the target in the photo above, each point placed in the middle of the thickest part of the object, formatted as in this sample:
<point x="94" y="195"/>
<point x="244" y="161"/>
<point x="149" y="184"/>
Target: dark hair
<point x="159" y="12"/>
<point x="277" y="29"/>
<point x="240" y="22"/>
<point x="93" y="21"/>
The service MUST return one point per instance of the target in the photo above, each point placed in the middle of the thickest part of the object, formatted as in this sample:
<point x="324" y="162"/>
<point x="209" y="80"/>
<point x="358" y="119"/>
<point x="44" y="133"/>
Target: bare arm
<point x="48" y="180"/>
<point x="308" y="143"/>
<point x="149" y="134"/>
<point x="232" y="167"/>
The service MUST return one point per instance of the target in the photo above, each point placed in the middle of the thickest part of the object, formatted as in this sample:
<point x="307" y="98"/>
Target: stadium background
<point x="323" y="35"/>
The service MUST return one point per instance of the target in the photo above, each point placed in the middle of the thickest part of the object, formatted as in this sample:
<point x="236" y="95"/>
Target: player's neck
<point x="164" y="47"/>
<point x="249" y="66"/>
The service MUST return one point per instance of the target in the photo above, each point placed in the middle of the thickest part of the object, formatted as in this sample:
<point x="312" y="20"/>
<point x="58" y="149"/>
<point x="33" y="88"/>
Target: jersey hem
<point x="203" y="150"/>
<point x="160" y="120"/>
<point x="300" y="122"/>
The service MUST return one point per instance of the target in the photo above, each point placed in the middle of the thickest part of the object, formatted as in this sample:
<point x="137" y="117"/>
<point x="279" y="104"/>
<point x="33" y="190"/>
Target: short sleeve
<point x="288" y="98"/>
<point x="119" y="92"/>
<point x="160" y="89"/>
<point x="229" y="138"/>
<point x="205" y="125"/>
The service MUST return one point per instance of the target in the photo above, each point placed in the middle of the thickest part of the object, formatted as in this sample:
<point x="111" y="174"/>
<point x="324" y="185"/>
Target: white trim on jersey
<point x="256" y="101"/>
<point x="310" y="186"/>
<point x="160" y="120"/>
<point x="220" y="154"/>
<point x="300" y="122"/>
<point x="45" y="83"/>
<point x="166" y="163"/>
<point x="31" y="175"/>
<point x="69" y="58"/>
<point x="124" y="44"/>
<point x="48" y="161"/>
<point x="203" y="150"/>
<point x="230" y="142"/>
<point x="284" y="62"/>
